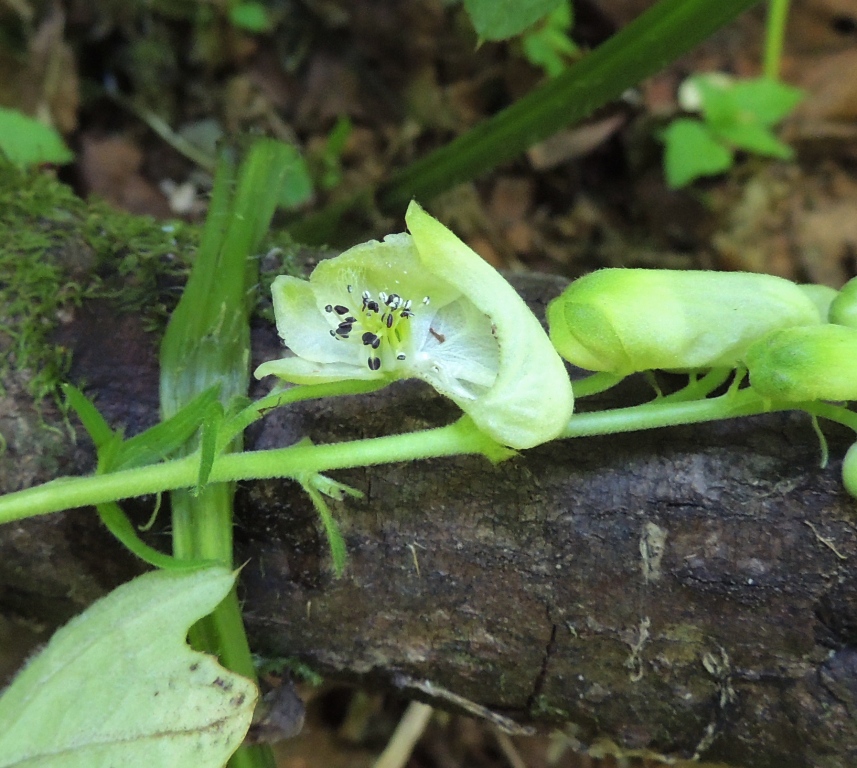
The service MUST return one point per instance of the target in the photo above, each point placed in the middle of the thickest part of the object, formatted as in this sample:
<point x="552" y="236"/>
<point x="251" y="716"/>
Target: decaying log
<point x="686" y="591"/>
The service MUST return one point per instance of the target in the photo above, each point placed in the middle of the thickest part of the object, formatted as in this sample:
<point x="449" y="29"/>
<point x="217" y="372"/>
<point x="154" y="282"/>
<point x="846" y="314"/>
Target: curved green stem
<point x="659" y="413"/>
<point x="700" y="388"/>
<point x="279" y="397"/>
<point x="832" y="412"/>
<point x="67" y="493"/>
<point x="461" y="437"/>
<point x="595" y="384"/>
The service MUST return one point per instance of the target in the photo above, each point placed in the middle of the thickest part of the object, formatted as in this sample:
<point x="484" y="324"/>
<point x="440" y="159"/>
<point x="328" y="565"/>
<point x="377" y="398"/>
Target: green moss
<point x="298" y="669"/>
<point x="57" y="251"/>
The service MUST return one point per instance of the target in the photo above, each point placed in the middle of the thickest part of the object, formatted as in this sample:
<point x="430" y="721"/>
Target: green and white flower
<point x="424" y="305"/>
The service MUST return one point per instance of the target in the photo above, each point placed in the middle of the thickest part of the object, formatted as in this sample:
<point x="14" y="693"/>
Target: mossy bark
<point x="689" y="589"/>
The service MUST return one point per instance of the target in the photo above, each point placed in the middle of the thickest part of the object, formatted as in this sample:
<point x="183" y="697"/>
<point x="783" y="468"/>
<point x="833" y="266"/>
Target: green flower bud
<point x="628" y="320"/>
<point x="822" y="296"/>
<point x="843" y="310"/>
<point x="810" y="363"/>
<point x="849" y="470"/>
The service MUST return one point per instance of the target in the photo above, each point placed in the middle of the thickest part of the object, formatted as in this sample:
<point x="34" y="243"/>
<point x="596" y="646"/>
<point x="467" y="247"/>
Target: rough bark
<point x="682" y="590"/>
<point x="670" y="589"/>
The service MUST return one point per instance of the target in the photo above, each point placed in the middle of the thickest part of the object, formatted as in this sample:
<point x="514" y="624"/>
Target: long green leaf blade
<point x="117" y="522"/>
<point x="651" y="41"/>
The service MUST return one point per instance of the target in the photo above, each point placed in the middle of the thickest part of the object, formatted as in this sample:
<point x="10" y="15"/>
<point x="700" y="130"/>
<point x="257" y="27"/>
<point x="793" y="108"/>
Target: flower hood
<point x="424" y="305"/>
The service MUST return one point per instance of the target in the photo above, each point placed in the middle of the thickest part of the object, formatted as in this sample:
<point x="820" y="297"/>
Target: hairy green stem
<point x="207" y="342"/>
<point x="458" y="438"/>
<point x="595" y="383"/>
<point x="68" y="493"/>
<point x="280" y="397"/>
<point x="670" y="413"/>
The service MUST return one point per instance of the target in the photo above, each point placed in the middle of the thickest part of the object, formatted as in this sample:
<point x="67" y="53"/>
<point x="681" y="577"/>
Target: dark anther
<point x="350" y="319"/>
<point x="340" y="310"/>
<point x="373" y="306"/>
<point x="329" y="308"/>
<point x="376" y="343"/>
<point x="374" y="363"/>
<point x="368" y="338"/>
<point x="389" y="321"/>
<point x="400" y="356"/>
<point x="344" y="328"/>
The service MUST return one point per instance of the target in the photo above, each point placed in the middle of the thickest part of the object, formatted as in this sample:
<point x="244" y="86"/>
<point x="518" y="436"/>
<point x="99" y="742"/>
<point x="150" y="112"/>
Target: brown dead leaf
<point x="511" y="198"/>
<point x="483" y="246"/>
<point x="755" y="236"/>
<point x="830" y="107"/>
<point x="53" y="71"/>
<point x="110" y="168"/>
<point x="447" y="108"/>
<point x="247" y="107"/>
<point x="793" y="223"/>
<point x="45" y="82"/>
<point x="266" y="73"/>
<point x="331" y="91"/>
<point x="820" y="25"/>
<point x="827" y="237"/>
<point x="509" y="205"/>
<point x="574" y="142"/>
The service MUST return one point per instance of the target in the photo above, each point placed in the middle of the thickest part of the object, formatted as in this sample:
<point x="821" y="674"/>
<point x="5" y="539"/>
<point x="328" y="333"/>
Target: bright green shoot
<point x="548" y="45"/>
<point x="734" y="114"/>
<point x="25" y="141"/>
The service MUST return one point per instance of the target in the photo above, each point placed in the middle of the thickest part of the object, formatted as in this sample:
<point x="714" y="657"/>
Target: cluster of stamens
<point x="378" y="319"/>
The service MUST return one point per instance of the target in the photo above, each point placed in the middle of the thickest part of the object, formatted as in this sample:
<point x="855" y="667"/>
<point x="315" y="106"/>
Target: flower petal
<point x="457" y="344"/>
<point x="530" y="401"/>
<point x="392" y="266"/>
<point x="299" y="370"/>
<point x="302" y="327"/>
